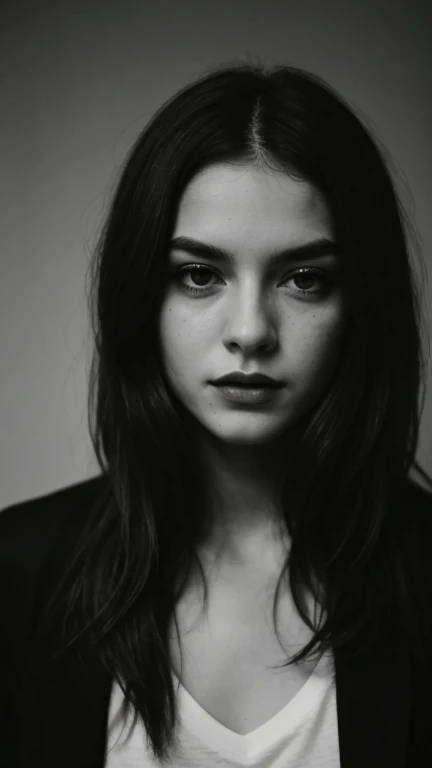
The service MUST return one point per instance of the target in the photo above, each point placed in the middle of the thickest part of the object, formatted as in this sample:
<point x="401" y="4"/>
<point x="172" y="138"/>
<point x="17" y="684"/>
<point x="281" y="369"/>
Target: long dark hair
<point x="139" y="548"/>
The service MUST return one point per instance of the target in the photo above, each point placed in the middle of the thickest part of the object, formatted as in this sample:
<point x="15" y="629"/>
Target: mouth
<point x="241" y="385"/>
<point x="256" y="380"/>
<point x="247" y="393"/>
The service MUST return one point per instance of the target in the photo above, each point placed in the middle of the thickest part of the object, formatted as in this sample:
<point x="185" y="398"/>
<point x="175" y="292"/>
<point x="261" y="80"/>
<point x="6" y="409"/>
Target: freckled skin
<point x="250" y="319"/>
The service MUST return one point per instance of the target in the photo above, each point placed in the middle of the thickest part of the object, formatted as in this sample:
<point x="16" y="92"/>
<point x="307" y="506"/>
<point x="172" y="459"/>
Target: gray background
<point x="78" y="81"/>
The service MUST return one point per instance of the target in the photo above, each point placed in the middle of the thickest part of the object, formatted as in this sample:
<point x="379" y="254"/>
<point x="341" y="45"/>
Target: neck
<point x="244" y="485"/>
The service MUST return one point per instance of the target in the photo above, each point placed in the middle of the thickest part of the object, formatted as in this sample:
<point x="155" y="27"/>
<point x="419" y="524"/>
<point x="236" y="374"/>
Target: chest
<point x="224" y="656"/>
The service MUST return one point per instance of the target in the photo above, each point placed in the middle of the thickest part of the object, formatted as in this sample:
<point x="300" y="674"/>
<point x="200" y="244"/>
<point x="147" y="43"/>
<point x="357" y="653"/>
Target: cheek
<point x="179" y="343"/>
<point x="323" y="352"/>
<point x="316" y="346"/>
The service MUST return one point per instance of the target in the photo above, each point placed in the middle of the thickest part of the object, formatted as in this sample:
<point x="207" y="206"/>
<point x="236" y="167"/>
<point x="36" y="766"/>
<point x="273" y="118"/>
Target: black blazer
<point x="60" y="721"/>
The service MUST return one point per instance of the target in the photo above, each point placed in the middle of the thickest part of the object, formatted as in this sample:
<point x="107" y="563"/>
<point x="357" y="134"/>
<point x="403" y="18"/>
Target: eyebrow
<point x="305" y="251"/>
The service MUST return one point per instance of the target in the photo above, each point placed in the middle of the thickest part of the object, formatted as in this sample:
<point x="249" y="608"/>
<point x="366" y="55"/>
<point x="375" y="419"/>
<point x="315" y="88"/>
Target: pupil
<point x="200" y="274"/>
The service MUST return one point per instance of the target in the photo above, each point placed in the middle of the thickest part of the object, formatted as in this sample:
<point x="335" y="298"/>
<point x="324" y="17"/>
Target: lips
<point x="248" y="396"/>
<point x="257" y="380"/>
<point x="251" y="385"/>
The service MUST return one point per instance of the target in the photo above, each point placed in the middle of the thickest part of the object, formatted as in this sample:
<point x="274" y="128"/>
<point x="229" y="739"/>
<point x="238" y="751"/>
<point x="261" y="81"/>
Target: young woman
<point x="249" y="572"/>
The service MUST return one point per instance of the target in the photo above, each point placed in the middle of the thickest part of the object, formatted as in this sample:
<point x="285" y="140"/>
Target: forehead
<point x="249" y="197"/>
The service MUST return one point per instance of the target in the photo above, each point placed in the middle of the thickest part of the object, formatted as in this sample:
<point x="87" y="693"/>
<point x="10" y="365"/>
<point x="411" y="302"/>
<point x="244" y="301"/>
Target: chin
<point x="251" y="437"/>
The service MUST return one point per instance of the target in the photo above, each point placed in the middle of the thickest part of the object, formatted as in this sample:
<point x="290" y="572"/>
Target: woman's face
<point x="248" y="314"/>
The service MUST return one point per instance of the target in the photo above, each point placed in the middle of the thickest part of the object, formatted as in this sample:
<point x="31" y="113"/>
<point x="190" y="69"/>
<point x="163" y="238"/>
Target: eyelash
<point x="201" y="268"/>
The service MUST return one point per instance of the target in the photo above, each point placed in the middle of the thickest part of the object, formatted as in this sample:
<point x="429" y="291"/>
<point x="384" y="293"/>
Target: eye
<point x="199" y="269"/>
<point x="311" y="274"/>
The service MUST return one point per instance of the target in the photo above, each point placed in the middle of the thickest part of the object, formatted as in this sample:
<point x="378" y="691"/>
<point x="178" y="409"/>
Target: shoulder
<point x="411" y="518"/>
<point x="36" y="537"/>
<point x="30" y="531"/>
<point x="416" y="495"/>
<point x="411" y="514"/>
<point x="28" y="527"/>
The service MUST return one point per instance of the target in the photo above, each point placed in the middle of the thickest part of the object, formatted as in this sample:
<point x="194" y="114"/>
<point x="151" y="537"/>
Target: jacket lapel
<point x="66" y="715"/>
<point x="374" y="699"/>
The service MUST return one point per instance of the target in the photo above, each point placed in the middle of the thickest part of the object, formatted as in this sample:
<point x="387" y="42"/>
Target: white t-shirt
<point x="304" y="734"/>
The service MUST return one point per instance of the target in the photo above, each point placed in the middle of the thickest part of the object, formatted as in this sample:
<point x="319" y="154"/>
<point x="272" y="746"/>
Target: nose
<point x="250" y="323"/>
